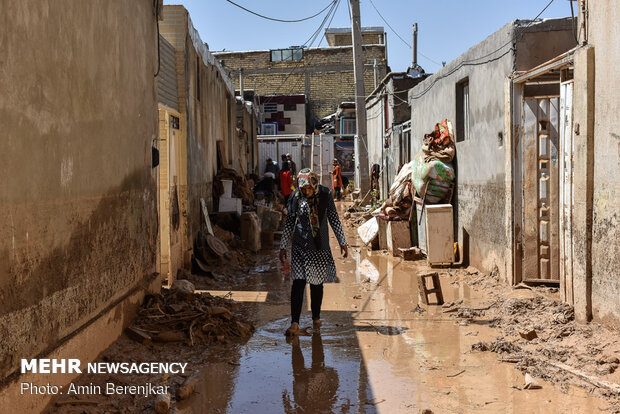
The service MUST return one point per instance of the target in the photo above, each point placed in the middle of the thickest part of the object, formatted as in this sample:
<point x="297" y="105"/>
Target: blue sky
<point x="446" y="28"/>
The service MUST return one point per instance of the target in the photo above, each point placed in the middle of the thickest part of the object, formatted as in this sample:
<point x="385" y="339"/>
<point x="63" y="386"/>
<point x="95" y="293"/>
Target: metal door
<point x="540" y="233"/>
<point x="567" y="149"/>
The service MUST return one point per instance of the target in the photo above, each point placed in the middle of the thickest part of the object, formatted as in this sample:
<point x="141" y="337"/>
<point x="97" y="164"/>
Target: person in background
<point x="306" y="233"/>
<point x="286" y="182"/>
<point x="272" y="167"/>
<point x="336" y="179"/>
<point x="265" y="186"/>
<point x="284" y="161"/>
<point x="292" y="164"/>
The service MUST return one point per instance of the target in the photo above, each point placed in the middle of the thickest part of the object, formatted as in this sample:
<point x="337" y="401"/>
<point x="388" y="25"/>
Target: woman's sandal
<point x="293" y="330"/>
<point x="316" y="324"/>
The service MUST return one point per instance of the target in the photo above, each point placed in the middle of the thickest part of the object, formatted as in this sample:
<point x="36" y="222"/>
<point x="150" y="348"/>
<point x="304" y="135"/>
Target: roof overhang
<point x="547" y="73"/>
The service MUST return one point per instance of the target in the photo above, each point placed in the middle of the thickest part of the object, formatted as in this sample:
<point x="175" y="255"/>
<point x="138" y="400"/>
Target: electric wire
<point x="399" y="36"/>
<point x="572" y="13"/>
<point x="476" y="61"/>
<point x="309" y="42"/>
<point x="282" y="20"/>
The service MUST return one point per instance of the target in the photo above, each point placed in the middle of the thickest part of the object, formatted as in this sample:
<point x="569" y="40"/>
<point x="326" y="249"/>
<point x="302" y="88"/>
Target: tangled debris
<point x="499" y="346"/>
<point x="183" y="316"/>
<point x="541" y="336"/>
<point x="177" y="325"/>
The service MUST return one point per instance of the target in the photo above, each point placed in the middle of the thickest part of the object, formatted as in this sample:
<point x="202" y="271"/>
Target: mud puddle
<point x="377" y="351"/>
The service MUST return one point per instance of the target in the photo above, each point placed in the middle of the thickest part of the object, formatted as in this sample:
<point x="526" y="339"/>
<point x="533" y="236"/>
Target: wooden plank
<point x="554" y="196"/>
<point x="543" y="192"/>
<point x="517" y="179"/>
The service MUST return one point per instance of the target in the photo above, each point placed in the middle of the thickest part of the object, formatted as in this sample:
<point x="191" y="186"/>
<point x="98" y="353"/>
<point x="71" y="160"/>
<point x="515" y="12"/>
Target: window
<point x="290" y="107"/>
<point x="270" y="108"/>
<point x="284" y="55"/>
<point x="347" y="126"/>
<point x="462" y="110"/>
<point x="269" y="128"/>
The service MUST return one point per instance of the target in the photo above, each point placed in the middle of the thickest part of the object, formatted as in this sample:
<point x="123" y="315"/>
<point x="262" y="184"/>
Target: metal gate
<point x="274" y="146"/>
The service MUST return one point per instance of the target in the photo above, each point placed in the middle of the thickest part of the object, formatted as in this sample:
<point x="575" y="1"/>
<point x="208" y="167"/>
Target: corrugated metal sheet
<point x="167" y="92"/>
<point x="274" y="146"/>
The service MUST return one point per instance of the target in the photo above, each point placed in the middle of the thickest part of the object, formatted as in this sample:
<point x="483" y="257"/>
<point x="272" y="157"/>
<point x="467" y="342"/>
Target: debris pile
<point x="540" y="335"/>
<point x="180" y="315"/>
<point x="240" y="188"/>
<point x="433" y="173"/>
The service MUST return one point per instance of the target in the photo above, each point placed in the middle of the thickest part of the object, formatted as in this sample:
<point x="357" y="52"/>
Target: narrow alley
<point x="177" y="176"/>
<point x="378" y="350"/>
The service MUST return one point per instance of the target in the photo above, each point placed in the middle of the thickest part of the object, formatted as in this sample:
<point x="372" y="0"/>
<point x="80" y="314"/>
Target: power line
<point x="399" y="36"/>
<point x="543" y="10"/>
<point x="390" y="26"/>
<point x="310" y="42"/>
<point x="476" y="61"/>
<point x="282" y="20"/>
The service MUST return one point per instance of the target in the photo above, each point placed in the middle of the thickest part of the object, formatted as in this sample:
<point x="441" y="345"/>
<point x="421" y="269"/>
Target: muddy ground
<point x="379" y="349"/>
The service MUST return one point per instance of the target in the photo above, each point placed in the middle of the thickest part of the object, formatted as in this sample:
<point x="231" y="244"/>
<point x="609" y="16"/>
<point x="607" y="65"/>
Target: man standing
<point x="272" y="167"/>
<point x="336" y="179"/>
<point x="293" y="166"/>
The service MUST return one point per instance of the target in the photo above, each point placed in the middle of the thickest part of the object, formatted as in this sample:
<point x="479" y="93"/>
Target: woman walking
<point x="310" y="208"/>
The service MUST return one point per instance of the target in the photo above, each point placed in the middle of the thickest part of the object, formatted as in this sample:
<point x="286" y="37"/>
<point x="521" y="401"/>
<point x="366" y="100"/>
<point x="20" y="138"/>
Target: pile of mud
<point x="541" y="336"/>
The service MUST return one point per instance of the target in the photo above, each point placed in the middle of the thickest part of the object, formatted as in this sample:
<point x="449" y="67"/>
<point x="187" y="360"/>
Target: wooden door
<point x="567" y="149"/>
<point x="540" y="203"/>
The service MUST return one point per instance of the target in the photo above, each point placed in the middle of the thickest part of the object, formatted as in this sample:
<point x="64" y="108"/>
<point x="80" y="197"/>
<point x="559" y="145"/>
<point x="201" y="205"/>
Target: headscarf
<point x="307" y="177"/>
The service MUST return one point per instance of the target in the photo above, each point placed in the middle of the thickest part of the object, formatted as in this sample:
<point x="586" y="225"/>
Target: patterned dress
<point x="309" y="263"/>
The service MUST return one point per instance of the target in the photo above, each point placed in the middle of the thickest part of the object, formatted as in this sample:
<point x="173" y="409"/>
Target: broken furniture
<point x="424" y="291"/>
<point x="227" y="201"/>
<point x="439" y="234"/>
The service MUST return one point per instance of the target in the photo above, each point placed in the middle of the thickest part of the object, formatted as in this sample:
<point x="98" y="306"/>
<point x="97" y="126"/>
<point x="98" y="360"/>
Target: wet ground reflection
<point x="377" y="352"/>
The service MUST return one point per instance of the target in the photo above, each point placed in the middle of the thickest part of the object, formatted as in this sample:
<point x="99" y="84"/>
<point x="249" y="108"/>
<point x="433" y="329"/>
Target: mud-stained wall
<point x="247" y="121"/>
<point x="78" y="115"/>
<point x="604" y="36"/>
<point x="482" y="192"/>
<point x="208" y="106"/>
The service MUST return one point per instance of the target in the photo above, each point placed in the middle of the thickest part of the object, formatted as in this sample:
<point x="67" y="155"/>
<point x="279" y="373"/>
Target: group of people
<point x="281" y="177"/>
<point x="285" y="178"/>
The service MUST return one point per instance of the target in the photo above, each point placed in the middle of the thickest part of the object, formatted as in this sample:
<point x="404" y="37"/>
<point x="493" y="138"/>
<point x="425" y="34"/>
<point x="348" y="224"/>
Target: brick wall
<point x="324" y="75"/>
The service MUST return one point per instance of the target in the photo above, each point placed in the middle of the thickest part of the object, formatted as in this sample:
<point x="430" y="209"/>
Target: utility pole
<point x="375" y="69"/>
<point x="415" y="46"/>
<point x="361" y="157"/>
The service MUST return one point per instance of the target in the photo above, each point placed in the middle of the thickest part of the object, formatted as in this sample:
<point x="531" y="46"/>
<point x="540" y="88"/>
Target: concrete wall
<point x="375" y="130"/>
<point x="604" y="36"/>
<point x="206" y="98"/>
<point x="391" y="96"/>
<point x="325" y="75"/>
<point x="247" y="123"/>
<point x="78" y="114"/>
<point x="482" y="196"/>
